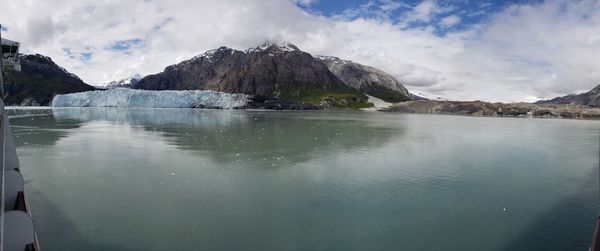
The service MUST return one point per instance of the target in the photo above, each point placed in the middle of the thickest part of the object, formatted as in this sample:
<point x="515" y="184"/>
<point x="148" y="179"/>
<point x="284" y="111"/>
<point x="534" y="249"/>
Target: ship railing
<point x="18" y="231"/>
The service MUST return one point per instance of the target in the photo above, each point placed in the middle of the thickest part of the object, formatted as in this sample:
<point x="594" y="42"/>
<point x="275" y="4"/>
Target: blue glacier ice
<point x="122" y="97"/>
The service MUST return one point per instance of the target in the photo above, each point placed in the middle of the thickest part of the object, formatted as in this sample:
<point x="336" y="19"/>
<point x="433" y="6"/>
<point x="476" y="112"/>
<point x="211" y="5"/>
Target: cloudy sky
<point x="461" y="50"/>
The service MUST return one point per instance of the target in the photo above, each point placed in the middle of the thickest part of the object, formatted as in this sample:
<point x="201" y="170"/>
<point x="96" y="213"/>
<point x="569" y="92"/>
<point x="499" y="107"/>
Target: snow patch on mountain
<point x="279" y="46"/>
<point x="377" y="104"/>
<point x="125" y="83"/>
<point x="121" y="97"/>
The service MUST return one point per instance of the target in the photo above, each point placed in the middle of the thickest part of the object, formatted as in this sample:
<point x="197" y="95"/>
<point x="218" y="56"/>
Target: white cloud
<point x="424" y="10"/>
<point x="450" y="21"/>
<point x="524" y="52"/>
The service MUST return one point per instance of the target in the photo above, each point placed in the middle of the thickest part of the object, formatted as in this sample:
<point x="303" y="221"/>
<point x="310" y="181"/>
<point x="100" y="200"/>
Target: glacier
<point x="123" y="97"/>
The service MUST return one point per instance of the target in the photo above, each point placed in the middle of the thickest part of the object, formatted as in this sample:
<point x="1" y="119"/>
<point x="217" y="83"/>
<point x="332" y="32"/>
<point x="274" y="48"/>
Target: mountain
<point x="39" y="80"/>
<point x="367" y="79"/>
<point x="270" y="71"/>
<point x="125" y="83"/>
<point x="591" y="98"/>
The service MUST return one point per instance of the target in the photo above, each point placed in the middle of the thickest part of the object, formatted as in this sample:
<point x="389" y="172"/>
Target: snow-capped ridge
<point x="125" y="83"/>
<point x="210" y="54"/>
<point x="122" y="97"/>
<point x="272" y="44"/>
<point x="333" y="59"/>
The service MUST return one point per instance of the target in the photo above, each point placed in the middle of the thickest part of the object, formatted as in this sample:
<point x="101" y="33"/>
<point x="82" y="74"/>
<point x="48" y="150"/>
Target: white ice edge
<point x="122" y="97"/>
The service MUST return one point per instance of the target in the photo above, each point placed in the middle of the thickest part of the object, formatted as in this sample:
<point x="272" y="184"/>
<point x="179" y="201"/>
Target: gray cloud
<point x="40" y="30"/>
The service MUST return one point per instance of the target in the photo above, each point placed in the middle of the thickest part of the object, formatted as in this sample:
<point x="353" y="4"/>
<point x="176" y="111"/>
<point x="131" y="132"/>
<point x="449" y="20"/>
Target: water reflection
<point x="252" y="138"/>
<point x="39" y="126"/>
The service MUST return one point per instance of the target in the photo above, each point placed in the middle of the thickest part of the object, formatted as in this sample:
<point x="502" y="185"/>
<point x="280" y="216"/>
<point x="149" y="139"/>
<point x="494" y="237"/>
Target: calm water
<point x="175" y="179"/>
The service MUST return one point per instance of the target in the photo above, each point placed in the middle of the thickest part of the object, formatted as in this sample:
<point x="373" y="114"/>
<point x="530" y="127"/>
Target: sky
<point x="509" y="51"/>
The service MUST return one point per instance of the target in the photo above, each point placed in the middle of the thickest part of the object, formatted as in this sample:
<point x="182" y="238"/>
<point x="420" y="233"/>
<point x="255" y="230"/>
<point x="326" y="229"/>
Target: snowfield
<point x="122" y="97"/>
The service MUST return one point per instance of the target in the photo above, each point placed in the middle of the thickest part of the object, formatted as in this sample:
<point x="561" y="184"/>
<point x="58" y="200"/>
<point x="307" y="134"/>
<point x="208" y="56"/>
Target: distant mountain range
<point x="279" y="71"/>
<point x="591" y="98"/>
<point x="39" y="81"/>
<point x="277" y="75"/>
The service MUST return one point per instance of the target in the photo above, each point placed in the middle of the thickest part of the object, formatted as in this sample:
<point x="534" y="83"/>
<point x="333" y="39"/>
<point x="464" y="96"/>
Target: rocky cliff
<point x="367" y="79"/>
<point x="39" y="81"/>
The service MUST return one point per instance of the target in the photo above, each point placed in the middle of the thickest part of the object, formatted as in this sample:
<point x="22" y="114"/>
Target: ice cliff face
<point x="120" y="97"/>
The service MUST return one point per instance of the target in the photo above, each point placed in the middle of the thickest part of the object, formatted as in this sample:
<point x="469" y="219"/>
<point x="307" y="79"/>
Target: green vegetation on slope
<point x="341" y="96"/>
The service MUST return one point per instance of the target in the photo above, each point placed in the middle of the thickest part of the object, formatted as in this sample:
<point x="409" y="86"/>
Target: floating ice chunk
<point x="121" y="97"/>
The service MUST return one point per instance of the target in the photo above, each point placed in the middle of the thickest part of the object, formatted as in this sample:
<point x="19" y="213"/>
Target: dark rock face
<point x="271" y="70"/>
<point x="591" y="98"/>
<point x="39" y="81"/>
<point x="367" y="79"/>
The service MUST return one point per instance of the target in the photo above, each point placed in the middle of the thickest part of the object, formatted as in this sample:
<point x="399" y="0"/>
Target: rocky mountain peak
<point x="596" y="90"/>
<point x="125" y="83"/>
<point x="367" y="79"/>
<point x="591" y="98"/>
<point x="280" y="70"/>
<point x="39" y="80"/>
<point x="213" y="54"/>
<point x="274" y="46"/>
<point x="271" y="70"/>
<point x="44" y="64"/>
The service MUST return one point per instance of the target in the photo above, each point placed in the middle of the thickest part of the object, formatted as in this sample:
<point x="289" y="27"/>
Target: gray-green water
<point x="175" y="179"/>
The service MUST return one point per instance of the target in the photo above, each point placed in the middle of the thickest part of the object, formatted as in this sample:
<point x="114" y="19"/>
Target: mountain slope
<point x="271" y="70"/>
<point x="367" y="79"/>
<point x="591" y="98"/>
<point x="39" y="81"/>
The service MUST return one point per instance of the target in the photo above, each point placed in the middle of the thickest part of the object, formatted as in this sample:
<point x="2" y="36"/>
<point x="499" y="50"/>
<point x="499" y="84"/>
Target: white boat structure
<point x="17" y="231"/>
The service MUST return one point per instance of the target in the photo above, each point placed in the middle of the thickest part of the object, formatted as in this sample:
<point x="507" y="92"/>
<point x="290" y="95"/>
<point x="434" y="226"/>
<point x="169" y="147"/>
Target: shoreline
<point x="448" y="108"/>
<point x="501" y="110"/>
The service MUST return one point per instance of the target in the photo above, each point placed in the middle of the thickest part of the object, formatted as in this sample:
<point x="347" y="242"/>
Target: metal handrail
<point x="1" y="73"/>
<point x="1" y="147"/>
